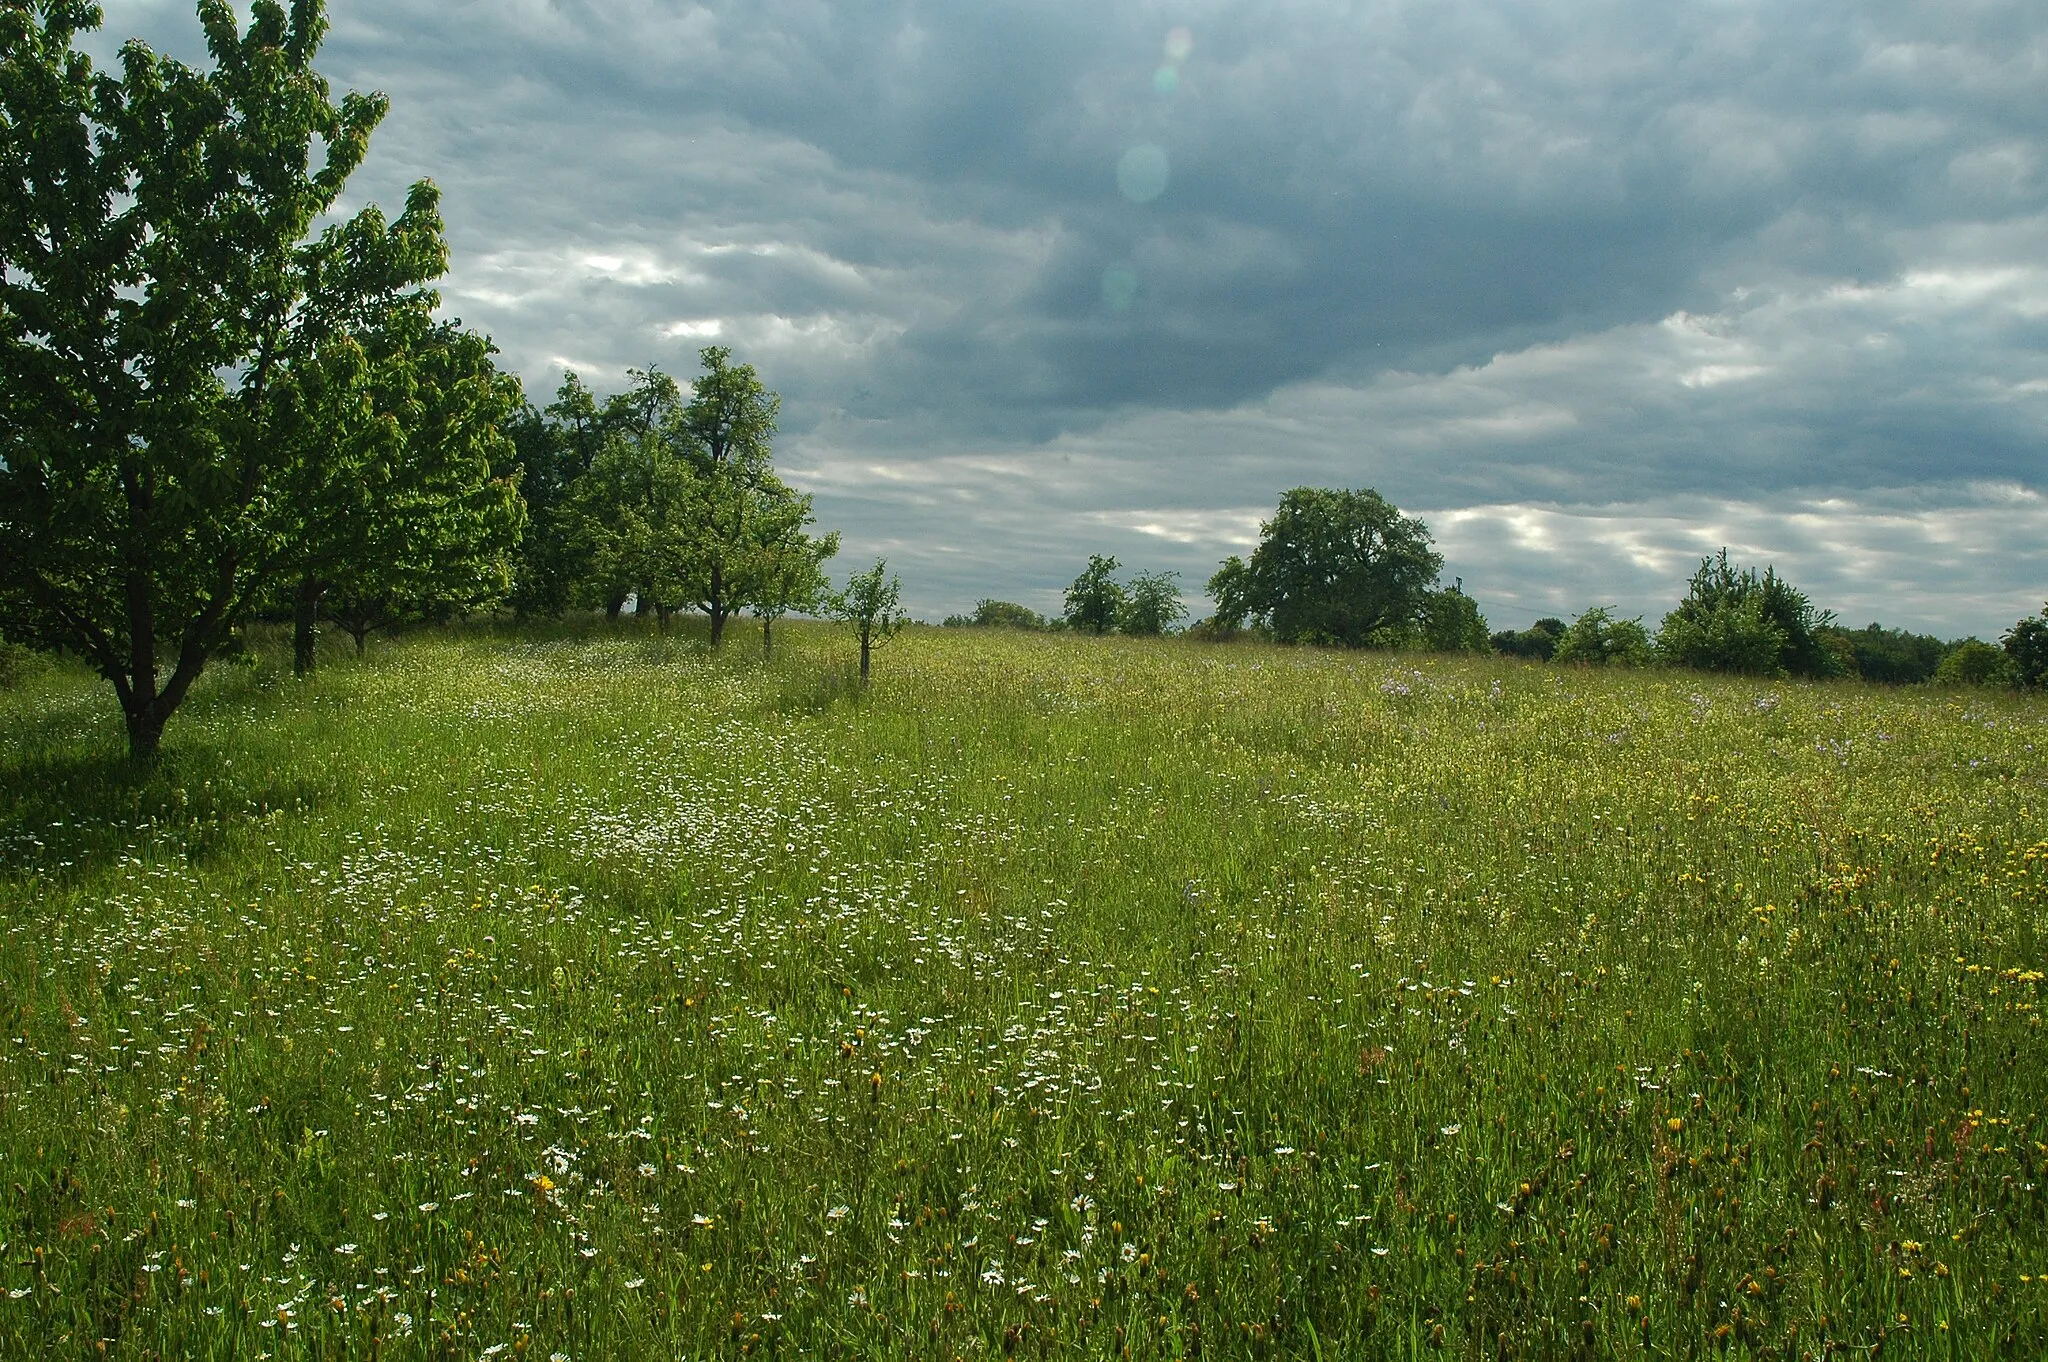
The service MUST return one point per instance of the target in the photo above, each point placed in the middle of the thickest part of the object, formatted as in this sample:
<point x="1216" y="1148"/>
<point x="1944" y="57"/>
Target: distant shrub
<point x="1738" y="621"/>
<point x="1876" y="653"/>
<point x="1451" y="623"/>
<point x="1600" y="639"/>
<point x="1538" y="641"/>
<point x="1151" y="604"/>
<point x="998" y="615"/>
<point x="1973" y="662"/>
<point x="2026" y="651"/>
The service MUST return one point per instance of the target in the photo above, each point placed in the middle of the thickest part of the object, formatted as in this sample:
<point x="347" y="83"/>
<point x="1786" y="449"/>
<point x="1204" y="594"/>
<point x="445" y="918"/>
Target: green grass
<point x="589" y="995"/>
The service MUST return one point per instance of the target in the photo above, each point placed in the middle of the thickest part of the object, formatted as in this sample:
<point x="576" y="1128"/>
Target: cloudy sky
<point x="1593" y="286"/>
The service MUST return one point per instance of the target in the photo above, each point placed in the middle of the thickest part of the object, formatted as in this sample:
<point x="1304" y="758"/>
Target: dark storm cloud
<point x="1627" y="274"/>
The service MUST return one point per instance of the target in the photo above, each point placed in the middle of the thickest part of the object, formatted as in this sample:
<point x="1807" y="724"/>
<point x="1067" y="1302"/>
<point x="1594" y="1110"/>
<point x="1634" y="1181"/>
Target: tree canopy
<point x="171" y="331"/>
<point x="1335" y="567"/>
<point x="1736" y="620"/>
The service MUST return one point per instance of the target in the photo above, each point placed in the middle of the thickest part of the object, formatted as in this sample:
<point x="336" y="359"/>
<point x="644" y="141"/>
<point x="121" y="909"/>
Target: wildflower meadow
<point x="586" y="994"/>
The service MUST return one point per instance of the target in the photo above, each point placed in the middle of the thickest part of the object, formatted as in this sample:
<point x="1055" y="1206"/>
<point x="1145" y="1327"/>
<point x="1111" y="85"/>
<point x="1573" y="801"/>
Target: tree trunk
<point x="767" y="637"/>
<point x="306" y="627"/>
<point x="361" y="634"/>
<point x="145" y="730"/>
<point x="715" y="607"/>
<point x="614" y="606"/>
<point x="864" y="645"/>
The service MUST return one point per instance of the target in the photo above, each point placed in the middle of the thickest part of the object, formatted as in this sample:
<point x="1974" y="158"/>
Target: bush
<point x="1893" y="656"/>
<point x="1737" y="621"/>
<point x="998" y="615"/>
<point x="1971" y="662"/>
<point x="1151" y="604"/>
<point x="1451" y="623"/>
<point x="2026" y="651"/>
<point x="1538" y="641"/>
<point x="1598" y="639"/>
<point x="17" y="664"/>
<point x="1729" y="637"/>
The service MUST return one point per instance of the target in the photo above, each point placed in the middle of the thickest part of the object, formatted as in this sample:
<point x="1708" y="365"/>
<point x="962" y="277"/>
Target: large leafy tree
<point x="551" y="448"/>
<point x="630" y="516"/>
<point x="158" y="287"/>
<point x="1334" y="567"/>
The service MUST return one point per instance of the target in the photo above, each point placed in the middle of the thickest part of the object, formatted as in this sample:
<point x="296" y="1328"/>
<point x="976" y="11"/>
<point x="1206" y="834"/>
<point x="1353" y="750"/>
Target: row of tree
<point x="1346" y="568"/>
<point x="211" y="411"/>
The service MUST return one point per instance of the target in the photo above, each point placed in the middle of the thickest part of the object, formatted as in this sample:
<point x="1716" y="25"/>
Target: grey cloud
<point x="1606" y="264"/>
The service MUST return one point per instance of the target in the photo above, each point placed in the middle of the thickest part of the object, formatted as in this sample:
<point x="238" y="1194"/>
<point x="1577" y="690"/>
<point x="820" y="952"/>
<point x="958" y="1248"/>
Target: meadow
<point x="584" y="995"/>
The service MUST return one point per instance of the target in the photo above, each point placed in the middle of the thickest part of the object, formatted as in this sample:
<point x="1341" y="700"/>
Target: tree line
<point x="214" y="408"/>
<point x="1348" y="569"/>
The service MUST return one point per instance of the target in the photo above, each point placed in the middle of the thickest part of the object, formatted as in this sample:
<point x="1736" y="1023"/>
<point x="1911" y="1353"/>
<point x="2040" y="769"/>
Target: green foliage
<point x="551" y="449"/>
<point x="727" y="424"/>
<point x="1096" y="598"/>
<point x="16" y="663"/>
<point x="991" y="614"/>
<point x="1892" y="656"/>
<point x="1737" y="621"/>
<point x="783" y="568"/>
<point x="1451" y="623"/>
<point x="170" y="333"/>
<point x="1151" y="604"/>
<point x="1599" y="638"/>
<point x="409" y="523"/>
<point x="2026" y="651"/>
<point x="633" y="514"/>
<point x="1331" y="567"/>
<point x="1730" y="637"/>
<point x="1538" y="641"/>
<point x="1972" y="662"/>
<point x="872" y="607"/>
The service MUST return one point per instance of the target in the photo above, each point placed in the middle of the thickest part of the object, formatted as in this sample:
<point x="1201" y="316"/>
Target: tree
<point x="872" y="606"/>
<point x="728" y="422"/>
<point x="1332" y="567"/>
<point x="785" y="568"/>
<point x="156" y="285"/>
<point x="1151" y="604"/>
<point x="1971" y="662"/>
<point x="633" y="515"/>
<point x="1538" y="641"/>
<point x="1894" y="656"/>
<point x="1095" y="599"/>
<point x="404" y="517"/>
<point x="440" y="529"/>
<point x="630" y="515"/>
<point x="990" y="614"/>
<point x="1737" y="621"/>
<point x="1451" y="622"/>
<point x="2026" y="651"/>
<point x="1601" y="639"/>
<point x="551" y="448"/>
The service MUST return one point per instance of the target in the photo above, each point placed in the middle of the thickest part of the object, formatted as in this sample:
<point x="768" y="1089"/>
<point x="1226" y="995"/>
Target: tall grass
<point x="590" y="996"/>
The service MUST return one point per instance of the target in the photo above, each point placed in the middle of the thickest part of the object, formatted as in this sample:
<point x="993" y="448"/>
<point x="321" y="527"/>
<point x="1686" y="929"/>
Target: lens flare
<point x="1142" y="173"/>
<point x="1179" y="42"/>
<point x="1165" y="81"/>
<point x="1119" y="288"/>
